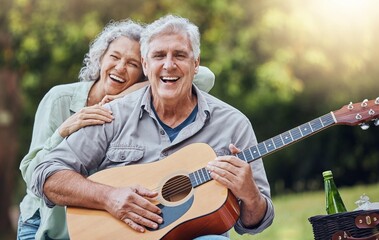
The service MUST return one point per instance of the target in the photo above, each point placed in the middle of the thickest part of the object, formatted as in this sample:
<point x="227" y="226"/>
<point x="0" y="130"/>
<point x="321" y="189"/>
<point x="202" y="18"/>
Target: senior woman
<point x="112" y="68"/>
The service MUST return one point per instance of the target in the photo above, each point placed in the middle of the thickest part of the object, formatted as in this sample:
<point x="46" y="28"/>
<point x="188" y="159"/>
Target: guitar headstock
<point x="358" y="113"/>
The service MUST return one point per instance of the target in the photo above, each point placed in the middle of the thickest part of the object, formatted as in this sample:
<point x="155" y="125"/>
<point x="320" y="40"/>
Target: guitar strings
<point x="175" y="186"/>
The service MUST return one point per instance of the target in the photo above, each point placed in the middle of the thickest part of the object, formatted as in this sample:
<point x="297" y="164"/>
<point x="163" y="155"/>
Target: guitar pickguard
<point x="172" y="213"/>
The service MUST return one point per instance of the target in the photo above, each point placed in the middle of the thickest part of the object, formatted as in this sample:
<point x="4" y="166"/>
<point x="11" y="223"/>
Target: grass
<point x="292" y="212"/>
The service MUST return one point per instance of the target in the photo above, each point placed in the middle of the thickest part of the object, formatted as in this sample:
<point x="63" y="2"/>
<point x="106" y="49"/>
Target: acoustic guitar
<point x="192" y="204"/>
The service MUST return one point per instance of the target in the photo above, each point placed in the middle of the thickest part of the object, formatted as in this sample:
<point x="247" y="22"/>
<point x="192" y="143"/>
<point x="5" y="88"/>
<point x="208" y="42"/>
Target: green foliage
<point x="281" y="63"/>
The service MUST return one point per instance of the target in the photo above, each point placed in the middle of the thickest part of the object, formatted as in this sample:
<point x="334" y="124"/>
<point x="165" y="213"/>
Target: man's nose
<point x="169" y="64"/>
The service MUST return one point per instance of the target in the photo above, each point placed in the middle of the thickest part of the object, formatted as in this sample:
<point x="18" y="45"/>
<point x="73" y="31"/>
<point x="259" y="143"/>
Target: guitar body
<point x="207" y="209"/>
<point x="192" y="205"/>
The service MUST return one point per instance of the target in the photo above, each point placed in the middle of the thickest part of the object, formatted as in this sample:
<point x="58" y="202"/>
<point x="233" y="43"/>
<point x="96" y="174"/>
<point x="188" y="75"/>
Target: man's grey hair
<point x="171" y="24"/>
<point x="113" y="30"/>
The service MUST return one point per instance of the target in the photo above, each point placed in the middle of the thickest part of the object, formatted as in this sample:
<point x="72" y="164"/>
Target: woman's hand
<point x="93" y="115"/>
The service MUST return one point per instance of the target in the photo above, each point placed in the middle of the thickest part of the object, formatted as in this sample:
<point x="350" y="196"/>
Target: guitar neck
<point x="287" y="138"/>
<point x="271" y="145"/>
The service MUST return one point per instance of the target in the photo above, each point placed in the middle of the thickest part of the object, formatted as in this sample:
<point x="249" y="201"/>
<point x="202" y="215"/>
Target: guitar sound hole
<point x="176" y="188"/>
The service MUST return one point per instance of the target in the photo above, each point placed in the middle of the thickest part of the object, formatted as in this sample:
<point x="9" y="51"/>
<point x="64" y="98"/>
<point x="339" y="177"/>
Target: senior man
<point x="150" y="125"/>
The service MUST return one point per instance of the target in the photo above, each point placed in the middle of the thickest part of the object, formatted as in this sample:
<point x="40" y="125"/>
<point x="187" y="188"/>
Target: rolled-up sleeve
<point x="265" y="223"/>
<point x="81" y="152"/>
<point x="41" y="173"/>
<point x="60" y="158"/>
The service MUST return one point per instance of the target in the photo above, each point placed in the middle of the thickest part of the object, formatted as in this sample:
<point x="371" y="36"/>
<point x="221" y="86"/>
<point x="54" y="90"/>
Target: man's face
<point x="170" y="67"/>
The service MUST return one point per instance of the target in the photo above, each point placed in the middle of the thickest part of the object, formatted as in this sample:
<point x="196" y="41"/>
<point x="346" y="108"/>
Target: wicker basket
<point x="350" y="225"/>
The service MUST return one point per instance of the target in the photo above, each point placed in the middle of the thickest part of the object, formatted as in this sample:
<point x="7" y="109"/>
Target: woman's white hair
<point x="113" y="30"/>
<point x="167" y="25"/>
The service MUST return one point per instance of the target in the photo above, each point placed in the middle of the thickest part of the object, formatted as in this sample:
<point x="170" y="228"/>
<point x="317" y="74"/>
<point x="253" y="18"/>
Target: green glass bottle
<point x="333" y="200"/>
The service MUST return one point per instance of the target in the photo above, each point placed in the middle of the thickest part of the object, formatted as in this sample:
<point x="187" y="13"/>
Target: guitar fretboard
<point x="271" y="145"/>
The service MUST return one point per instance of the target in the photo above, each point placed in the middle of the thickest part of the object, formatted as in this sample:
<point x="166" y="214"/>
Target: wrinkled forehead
<point x="170" y="40"/>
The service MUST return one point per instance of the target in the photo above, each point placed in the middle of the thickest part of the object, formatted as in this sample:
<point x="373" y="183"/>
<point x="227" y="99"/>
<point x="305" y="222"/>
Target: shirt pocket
<point x="121" y="156"/>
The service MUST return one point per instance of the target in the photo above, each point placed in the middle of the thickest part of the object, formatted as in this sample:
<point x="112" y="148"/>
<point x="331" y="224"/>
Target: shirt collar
<point x="204" y="110"/>
<point x="80" y="95"/>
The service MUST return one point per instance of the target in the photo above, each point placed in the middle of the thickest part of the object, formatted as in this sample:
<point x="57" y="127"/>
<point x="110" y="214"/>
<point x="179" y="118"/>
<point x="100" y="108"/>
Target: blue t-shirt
<point x="173" y="132"/>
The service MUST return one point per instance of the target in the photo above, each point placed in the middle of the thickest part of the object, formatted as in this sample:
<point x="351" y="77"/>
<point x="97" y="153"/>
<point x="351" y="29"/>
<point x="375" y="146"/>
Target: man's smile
<point x="170" y="79"/>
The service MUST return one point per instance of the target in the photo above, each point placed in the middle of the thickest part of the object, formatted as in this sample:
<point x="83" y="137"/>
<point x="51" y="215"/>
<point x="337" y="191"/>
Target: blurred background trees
<point x="282" y="63"/>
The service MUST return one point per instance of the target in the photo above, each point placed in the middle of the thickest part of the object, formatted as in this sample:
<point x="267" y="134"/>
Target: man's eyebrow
<point x="181" y="51"/>
<point x="158" y="51"/>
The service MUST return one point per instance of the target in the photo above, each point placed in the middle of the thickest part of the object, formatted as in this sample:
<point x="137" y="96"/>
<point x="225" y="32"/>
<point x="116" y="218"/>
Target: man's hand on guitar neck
<point x="237" y="176"/>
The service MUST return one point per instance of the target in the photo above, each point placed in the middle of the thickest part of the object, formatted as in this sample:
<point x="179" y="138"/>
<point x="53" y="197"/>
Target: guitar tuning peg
<point x="376" y="122"/>
<point x="365" y="126"/>
<point x="364" y="103"/>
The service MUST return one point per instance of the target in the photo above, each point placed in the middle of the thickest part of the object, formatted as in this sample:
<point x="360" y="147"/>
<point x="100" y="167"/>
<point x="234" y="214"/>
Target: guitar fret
<point x="247" y="155"/>
<point x="322" y="121"/>
<point x="198" y="177"/>
<point x="244" y="156"/>
<point x="254" y="151"/>
<point x="205" y="174"/>
<point x="264" y="144"/>
<point x="193" y="180"/>
<point x="278" y="141"/>
<point x="201" y="175"/>
<point x="306" y="129"/>
<point x="240" y="155"/>
<point x="287" y="137"/>
<point x="316" y="124"/>
<point x="296" y="133"/>
<point x="270" y="145"/>
<point x="290" y="135"/>
<point x="327" y="119"/>
<point x="262" y="149"/>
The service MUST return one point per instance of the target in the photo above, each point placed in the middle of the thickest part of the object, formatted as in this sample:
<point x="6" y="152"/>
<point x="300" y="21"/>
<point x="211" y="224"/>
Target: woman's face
<point x="120" y="67"/>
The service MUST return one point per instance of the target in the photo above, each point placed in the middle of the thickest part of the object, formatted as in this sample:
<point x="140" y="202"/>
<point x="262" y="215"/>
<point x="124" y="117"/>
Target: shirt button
<point x="123" y="157"/>
<point x="162" y="132"/>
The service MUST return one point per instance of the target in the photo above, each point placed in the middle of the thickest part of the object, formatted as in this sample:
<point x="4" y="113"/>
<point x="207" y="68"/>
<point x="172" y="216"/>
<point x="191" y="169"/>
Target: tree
<point x="10" y="104"/>
<point x="280" y="63"/>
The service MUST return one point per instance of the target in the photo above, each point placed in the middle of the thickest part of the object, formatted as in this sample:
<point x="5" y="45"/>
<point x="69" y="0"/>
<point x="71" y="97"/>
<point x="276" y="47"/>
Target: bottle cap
<point x="327" y="173"/>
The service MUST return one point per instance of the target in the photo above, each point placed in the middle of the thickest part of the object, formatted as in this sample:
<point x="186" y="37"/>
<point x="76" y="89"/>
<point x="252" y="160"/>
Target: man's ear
<point x="197" y="64"/>
<point x="144" y="66"/>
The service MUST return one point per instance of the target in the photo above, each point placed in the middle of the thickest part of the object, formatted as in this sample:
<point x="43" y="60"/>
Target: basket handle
<point x="344" y="235"/>
<point x="367" y="220"/>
